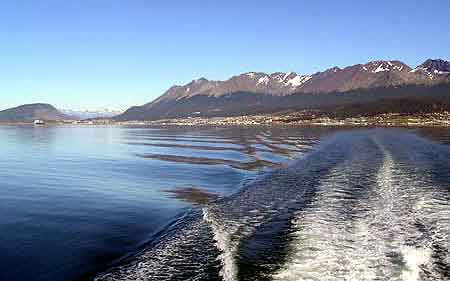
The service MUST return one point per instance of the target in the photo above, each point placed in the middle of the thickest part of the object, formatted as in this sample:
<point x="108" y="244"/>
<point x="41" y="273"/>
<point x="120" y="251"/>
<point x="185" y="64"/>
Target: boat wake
<point x="393" y="226"/>
<point x="364" y="205"/>
<point x="185" y="252"/>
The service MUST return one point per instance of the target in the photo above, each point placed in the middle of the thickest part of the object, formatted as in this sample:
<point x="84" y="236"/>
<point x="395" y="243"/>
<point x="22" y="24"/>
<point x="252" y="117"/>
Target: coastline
<point x="441" y="119"/>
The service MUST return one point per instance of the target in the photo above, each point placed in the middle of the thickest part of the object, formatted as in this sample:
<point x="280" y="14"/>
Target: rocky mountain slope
<point x="30" y="112"/>
<point x="255" y="92"/>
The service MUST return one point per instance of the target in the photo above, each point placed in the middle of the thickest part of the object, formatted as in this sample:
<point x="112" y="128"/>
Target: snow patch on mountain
<point x="381" y="68"/>
<point x="252" y="75"/>
<point x="298" y="80"/>
<point x="287" y="75"/>
<point x="384" y="66"/>
<point x="263" y="80"/>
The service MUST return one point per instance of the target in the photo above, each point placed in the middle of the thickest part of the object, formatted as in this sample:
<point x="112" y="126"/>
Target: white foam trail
<point x="325" y="246"/>
<point x="379" y="238"/>
<point x="414" y="259"/>
<point x="179" y="254"/>
<point x="224" y="244"/>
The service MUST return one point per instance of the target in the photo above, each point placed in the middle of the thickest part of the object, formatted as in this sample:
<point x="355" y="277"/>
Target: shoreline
<point x="392" y="120"/>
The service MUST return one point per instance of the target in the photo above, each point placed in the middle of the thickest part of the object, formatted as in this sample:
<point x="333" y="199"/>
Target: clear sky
<point x="108" y="53"/>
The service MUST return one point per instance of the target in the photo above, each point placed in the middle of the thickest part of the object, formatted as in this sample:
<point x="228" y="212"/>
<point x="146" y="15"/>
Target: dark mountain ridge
<point x="256" y="92"/>
<point x="30" y="112"/>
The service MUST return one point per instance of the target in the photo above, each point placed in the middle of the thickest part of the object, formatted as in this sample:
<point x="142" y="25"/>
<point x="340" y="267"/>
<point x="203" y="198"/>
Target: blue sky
<point x="108" y="53"/>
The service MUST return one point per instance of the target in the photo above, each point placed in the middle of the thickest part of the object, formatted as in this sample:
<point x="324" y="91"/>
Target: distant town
<point x="292" y="119"/>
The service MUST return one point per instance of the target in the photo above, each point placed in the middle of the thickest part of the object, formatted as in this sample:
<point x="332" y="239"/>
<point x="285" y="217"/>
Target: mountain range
<point x="91" y="113"/>
<point x="257" y="92"/>
<point x="375" y="87"/>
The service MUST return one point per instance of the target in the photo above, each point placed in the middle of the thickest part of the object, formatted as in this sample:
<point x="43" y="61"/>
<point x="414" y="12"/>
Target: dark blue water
<point x="76" y="200"/>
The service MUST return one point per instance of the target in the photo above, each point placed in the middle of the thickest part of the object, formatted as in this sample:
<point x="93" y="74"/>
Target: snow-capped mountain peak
<point x="288" y="79"/>
<point x="92" y="113"/>
<point x="433" y="68"/>
<point x="277" y="79"/>
<point x="384" y="66"/>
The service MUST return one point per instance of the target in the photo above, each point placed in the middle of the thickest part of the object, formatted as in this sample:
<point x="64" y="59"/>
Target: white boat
<point x="39" y="122"/>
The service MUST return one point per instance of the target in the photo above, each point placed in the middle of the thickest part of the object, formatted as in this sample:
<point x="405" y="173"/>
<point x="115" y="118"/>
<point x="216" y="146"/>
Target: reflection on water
<point x="247" y="149"/>
<point x="253" y="165"/>
<point x="75" y="200"/>
<point x="193" y="195"/>
<point x="440" y="135"/>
